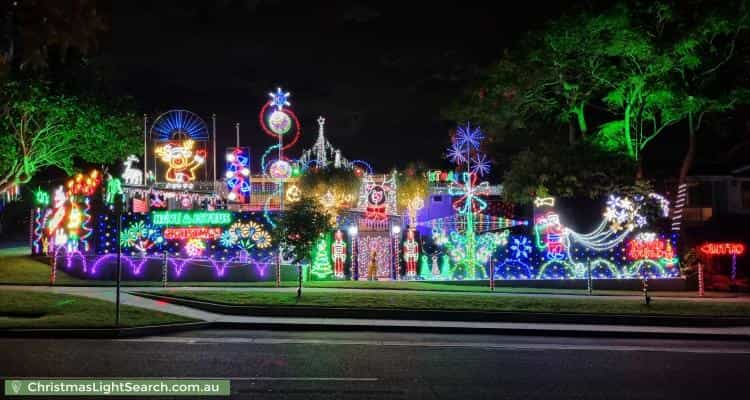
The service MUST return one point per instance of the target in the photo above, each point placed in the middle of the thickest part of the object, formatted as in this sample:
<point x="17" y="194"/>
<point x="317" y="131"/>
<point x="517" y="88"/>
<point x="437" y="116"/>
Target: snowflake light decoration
<point x="521" y="248"/>
<point x="280" y="99"/>
<point x="481" y="165"/>
<point x="469" y="138"/>
<point x="456" y="154"/>
<point x="470" y="200"/>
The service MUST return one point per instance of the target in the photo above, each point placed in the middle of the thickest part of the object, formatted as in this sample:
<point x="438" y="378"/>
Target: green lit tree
<point x="641" y="69"/>
<point x="665" y="70"/>
<point x="41" y="128"/>
<point x="301" y="226"/>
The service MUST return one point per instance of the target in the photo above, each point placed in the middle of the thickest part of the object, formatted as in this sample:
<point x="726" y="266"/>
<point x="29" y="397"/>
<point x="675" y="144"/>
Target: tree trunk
<point x="581" y="117"/>
<point x="571" y="133"/>
<point x="687" y="161"/>
<point x="639" y="170"/>
<point x="628" y="139"/>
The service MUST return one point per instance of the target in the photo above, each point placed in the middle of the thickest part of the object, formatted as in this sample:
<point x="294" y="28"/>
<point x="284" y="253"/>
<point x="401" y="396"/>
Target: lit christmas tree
<point x="424" y="268"/>
<point x="321" y="258"/>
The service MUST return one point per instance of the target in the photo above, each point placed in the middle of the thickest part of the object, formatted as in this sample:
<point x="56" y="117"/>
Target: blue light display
<point x="179" y="124"/>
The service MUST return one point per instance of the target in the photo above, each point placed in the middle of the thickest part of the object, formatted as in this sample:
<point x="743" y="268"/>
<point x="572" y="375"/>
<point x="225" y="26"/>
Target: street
<point x="363" y="365"/>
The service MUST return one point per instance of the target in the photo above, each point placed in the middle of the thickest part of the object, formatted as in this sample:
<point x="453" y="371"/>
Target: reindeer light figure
<point x="132" y="176"/>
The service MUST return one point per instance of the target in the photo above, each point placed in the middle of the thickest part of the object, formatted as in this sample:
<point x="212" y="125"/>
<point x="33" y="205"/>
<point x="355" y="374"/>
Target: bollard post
<point x="164" y="270"/>
<point x="53" y="275"/>
<point x="492" y="274"/>
<point x="646" y="297"/>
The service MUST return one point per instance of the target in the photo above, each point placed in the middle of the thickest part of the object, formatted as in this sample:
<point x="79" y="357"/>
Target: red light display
<point x="192" y="233"/>
<point x="651" y="250"/>
<point x="723" y="249"/>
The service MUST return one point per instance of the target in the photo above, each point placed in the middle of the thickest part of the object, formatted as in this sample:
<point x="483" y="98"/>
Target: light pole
<point x="118" y="207"/>
<point x="353" y="236"/>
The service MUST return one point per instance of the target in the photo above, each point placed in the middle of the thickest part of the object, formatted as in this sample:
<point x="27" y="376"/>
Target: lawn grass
<point x="18" y="268"/>
<point x="471" y="302"/>
<point x="24" y="309"/>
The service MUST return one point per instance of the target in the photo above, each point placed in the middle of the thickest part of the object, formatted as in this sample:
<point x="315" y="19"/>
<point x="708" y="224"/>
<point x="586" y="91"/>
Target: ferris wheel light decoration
<point x="179" y="124"/>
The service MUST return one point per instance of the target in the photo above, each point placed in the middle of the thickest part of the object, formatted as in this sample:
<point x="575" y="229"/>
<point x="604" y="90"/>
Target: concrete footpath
<point x="298" y="323"/>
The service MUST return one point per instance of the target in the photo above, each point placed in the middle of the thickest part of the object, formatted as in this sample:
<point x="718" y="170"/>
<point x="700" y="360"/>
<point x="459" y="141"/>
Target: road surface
<point x="363" y="365"/>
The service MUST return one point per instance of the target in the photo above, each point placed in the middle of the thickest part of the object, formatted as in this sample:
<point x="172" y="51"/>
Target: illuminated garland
<point x="86" y="225"/>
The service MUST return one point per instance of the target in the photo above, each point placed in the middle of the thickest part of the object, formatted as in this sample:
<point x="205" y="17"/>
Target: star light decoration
<point x="624" y="213"/>
<point x="280" y="99"/>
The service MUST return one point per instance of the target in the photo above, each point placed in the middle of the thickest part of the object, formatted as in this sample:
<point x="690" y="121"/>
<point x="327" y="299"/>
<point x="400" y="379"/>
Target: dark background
<point x="379" y="71"/>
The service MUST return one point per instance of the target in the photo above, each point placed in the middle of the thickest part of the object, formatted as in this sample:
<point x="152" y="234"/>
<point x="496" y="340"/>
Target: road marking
<point x="477" y="345"/>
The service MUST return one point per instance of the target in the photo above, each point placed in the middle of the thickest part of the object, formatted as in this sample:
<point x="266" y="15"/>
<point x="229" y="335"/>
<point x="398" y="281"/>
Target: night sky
<point x="380" y="72"/>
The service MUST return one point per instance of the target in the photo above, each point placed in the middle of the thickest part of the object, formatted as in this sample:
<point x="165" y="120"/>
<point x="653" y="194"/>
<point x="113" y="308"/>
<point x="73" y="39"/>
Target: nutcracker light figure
<point x="411" y="254"/>
<point x="338" y="250"/>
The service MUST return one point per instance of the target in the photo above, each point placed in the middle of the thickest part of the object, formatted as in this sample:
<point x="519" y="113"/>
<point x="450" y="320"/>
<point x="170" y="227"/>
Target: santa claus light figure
<point x="338" y="251"/>
<point x="411" y="254"/>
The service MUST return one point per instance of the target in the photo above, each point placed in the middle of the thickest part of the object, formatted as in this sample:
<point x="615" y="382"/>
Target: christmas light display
<point x="679" y="206"/>
<point x="179" y="124"/>
<point x="338" y="250"/>
<point x="321" y="258"/>
<point x="192" y="233"/>
<point x="84" y="185"/>
<point x="544" y="201"/>
<point x="722" y="248"/>
<point x="41" y="198"/>
<point x="280" y="170"/>
<point x="362" y="168"/>
<point x="140" y="236"/>
<point x="322" y="154"/>
<point x="293" y="193"/>
<point x="182" y="160"/>
<point x="382" y="248"/>
<point x="468" y="247"/>
<point x="648" y="246"/>
<point x="377" y="198"/>
<point x="246" y="235"/>
<point x="195" y="247"/>
<point x="237" y="175"/>
<point x="114" y="189"/>
<point x="132" y="176"/>
<point x="198" y="218"/>
<point x="278" y="121"/>
<point x="411" y="254"/>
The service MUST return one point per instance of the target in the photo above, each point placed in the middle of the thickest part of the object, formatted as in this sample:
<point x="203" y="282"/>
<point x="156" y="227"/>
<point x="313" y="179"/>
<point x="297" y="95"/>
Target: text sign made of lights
<point x="723" y="249"/>
<point x="192" y="233"/>
<point x="191" y="218"/>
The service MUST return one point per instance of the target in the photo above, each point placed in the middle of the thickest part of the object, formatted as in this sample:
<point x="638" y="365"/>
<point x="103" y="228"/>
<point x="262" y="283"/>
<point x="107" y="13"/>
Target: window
<point x="437" y="199"/>
<point x="699" y="195"/>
